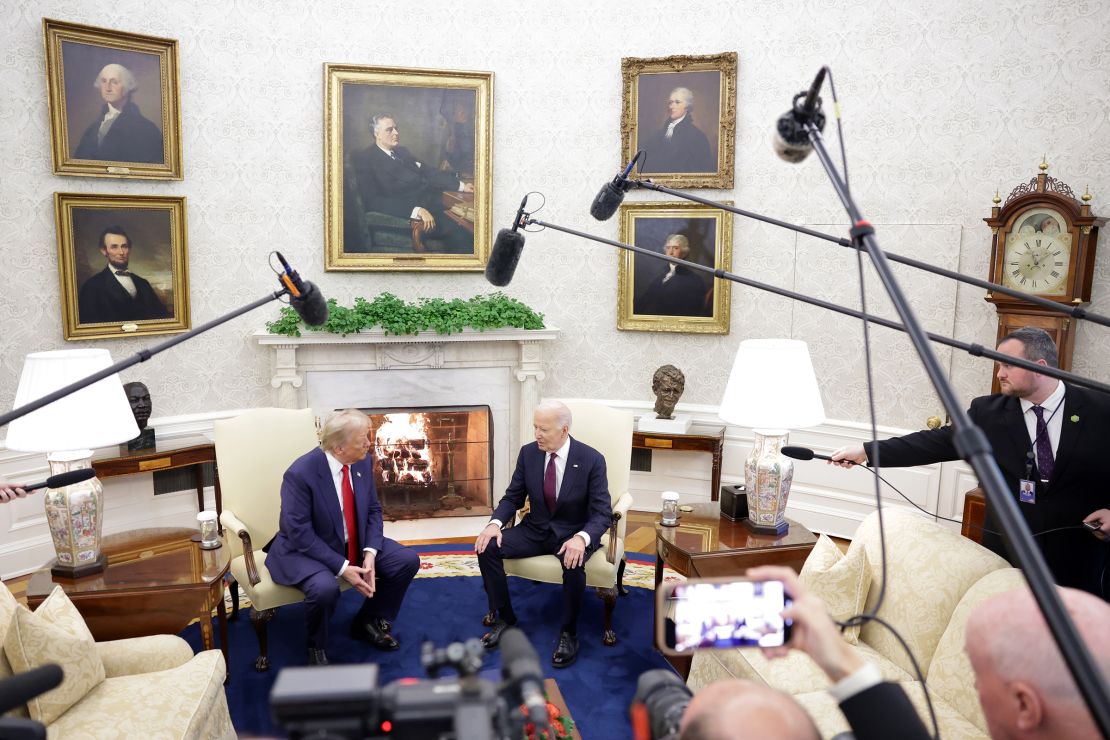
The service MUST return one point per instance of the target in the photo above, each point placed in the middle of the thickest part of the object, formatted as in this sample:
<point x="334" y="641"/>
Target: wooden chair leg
<point x="261" y="619"/>
<point x="234" y="586"/>
<point x="609" y="596"/>
<point x="620" y="578"/>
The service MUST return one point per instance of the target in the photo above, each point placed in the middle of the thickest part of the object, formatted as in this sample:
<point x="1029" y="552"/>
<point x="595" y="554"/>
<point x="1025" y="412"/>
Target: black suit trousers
<point x="524" y="542"/>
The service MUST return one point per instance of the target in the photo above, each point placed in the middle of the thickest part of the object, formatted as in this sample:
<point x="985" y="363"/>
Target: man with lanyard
<point x="1050" y="442"/>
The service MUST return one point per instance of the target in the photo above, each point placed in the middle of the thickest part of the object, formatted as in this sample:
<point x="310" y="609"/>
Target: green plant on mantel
<point x="395" y="316"/>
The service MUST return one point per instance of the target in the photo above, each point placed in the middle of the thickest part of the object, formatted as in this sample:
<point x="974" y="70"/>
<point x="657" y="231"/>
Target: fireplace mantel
<point x="520" y="351"/>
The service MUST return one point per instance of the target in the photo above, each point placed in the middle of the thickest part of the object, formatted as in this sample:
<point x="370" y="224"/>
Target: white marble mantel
<point x="294" y="361"/>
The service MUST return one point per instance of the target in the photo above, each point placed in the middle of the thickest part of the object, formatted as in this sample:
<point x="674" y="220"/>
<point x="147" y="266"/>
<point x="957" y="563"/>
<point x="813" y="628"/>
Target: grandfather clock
<point x="1043" y="243"/>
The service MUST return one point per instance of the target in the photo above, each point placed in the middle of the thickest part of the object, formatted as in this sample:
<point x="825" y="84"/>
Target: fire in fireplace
<point x="433" y="461"/>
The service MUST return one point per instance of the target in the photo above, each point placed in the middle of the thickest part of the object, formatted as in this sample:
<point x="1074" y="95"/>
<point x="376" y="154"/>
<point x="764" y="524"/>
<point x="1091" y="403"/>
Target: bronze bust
<point x="138" y="395"/>
<point x="667" y="383"/>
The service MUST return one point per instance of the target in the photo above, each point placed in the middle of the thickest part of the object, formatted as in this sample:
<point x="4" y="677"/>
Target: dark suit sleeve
<point x="601" y="503"/>
<point x="883" y="711"/>
<point x="515" y="494"/>
<point x="372" y="533"/>
<point x="296" y="522"/>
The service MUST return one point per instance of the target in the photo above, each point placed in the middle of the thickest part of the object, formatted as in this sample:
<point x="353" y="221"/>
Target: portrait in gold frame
<point x="650" y="297"/>
<point x="94" y="293"/>
<point x="681" y="111"/>
<point x="407" y="168"/>
<point x="108" y="122"/>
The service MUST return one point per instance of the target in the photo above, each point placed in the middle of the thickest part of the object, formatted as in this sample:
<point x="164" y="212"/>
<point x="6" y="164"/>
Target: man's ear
<point x="1030" y="708"/>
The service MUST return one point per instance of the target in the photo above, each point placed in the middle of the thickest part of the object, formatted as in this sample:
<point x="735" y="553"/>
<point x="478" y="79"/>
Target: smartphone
<point x="718" y="613"/>
<point x="1093" y="526"/>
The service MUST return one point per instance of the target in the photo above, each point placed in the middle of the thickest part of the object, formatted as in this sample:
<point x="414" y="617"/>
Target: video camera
<point x="345" y="701"/>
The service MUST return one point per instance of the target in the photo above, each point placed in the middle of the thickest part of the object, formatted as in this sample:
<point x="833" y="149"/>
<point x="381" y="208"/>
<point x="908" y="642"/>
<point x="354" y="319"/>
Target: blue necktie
<point x="1045" y="461"/>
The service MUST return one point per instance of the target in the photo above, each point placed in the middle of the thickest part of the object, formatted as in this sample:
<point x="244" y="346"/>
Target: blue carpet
<point x="597" y="688"/>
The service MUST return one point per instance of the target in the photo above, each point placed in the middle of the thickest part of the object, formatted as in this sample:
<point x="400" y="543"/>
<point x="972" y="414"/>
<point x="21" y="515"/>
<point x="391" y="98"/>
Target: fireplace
<point x="433" y="461"/>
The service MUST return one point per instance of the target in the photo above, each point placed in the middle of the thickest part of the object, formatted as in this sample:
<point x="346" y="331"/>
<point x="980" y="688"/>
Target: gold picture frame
<point x="401" y="149"/>
<point x="699" y="150"/>
<point x="96" y="232"/>
<point x="686" y="301"/>
<point x="114" y="100"/>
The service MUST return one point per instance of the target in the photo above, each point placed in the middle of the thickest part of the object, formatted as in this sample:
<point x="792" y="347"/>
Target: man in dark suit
<point x="331" y="530"/>
<point x="677" y="291"/>
<point x="120" y="133"/>
<point x="1049" y="440"/>
<point x="116" y="294"/>
<point x="565" y="484"/>
<point x="392" y="180"/>
<point x="679" y="146"/>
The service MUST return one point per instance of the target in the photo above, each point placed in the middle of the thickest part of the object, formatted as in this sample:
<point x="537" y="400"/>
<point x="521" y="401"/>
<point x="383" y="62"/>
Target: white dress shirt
<point x="336" y="468"/>
<point x="671" y="125"/>
<point x="1053" y="417"/>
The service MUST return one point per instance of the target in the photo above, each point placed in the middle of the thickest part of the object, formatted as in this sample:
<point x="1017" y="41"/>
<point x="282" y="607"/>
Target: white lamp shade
<point x="772" y="386"/>
<point x="96" y="416"/>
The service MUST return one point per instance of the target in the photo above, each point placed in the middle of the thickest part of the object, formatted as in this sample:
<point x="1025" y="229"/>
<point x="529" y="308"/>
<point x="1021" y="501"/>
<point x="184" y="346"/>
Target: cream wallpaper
<point x="943" y="101"/>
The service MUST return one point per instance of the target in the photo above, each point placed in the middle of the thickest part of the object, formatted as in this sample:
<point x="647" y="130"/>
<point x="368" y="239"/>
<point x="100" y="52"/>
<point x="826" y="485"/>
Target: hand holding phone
<point x="722" y="613"/>
<point x="1094" y="525"/>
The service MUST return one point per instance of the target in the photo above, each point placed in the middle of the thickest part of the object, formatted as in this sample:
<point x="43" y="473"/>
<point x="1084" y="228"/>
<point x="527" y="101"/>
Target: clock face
<point x="1037" y="258"/>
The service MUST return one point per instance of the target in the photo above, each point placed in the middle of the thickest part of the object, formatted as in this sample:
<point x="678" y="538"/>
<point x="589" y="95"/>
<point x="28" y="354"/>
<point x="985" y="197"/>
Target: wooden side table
<point x="712" y="442"/>
<point x="157" y="582"/>
<point x="707" y="545"/>
<point x="180" y="452"/>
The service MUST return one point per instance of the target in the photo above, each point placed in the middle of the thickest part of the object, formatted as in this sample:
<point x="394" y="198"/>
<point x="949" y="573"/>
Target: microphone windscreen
<point x="504" y="257"/>
<point x="311" y="306"/>
<point x="68" y="478"/>
<point x="607" y="201"/>
<point x="22" y="687"/>
<point x="518" y="657"/>
<point x="798" y="453"/>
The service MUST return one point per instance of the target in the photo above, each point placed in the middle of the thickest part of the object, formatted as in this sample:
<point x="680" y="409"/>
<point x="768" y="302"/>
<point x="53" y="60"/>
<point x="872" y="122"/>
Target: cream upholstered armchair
<point x="609" y="431"/>
<point x="253" y="451"/>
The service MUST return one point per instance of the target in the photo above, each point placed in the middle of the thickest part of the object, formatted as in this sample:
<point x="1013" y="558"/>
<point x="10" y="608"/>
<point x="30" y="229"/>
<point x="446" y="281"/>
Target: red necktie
<point x="349" y="517"/>
<point x="549" y="484"/>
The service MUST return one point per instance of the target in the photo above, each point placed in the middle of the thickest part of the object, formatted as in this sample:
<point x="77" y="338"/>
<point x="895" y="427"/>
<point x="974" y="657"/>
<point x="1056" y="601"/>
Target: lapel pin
<point x="1075" y="417"/>
<point x="575" y="465"/>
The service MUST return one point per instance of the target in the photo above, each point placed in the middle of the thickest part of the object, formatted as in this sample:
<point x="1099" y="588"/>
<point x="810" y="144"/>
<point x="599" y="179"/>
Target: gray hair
<point x="125" y="77"/>
<point x="683" y="243"/>
<point x="340" y="426"/>
<point x="686" y="95"/>
<point x="558" y="409"/>
<point x="1037" y="344"/>
<point x="376" y="121"/>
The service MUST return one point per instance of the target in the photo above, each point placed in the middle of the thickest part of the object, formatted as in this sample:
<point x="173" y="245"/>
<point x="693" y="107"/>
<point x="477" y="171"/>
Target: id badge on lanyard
<point x="1027" y="487"/>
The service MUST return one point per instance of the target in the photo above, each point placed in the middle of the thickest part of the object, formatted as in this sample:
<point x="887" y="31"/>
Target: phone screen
<point x="726" y="614"/>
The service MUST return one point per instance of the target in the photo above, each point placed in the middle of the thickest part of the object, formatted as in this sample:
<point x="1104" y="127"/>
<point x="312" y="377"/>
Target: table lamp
<point x="772" y="389"/>
<point x="68" y="429"/>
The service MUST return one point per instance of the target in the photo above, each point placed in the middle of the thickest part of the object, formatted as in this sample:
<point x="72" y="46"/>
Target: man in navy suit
<point x="1049" y="439"/>
<point x="326" y="495"/>
<point x="565" y="484"/>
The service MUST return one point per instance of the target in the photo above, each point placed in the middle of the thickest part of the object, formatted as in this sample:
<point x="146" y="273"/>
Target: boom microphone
<point x="804" y="453"/>
<point x="791" y="142"/>
<point x="521" y="666"/>
<point x="305" y="298"/>
<point x="612" y="193"/>
<point x="61" y="480"/>
<point x="506" y="251"/>
<point x="22" y="687"/>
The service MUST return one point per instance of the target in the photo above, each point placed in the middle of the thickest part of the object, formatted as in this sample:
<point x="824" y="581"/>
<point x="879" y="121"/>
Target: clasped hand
<point x="362" y="579"/>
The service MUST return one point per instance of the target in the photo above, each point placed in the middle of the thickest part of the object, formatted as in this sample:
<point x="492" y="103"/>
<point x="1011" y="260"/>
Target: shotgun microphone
<point x="791" y="142"/>
<point x="521" y="666"/>
<point x="305" y="298"/>
<point x="61" y="480"/>
<point x="612" y="193"/>
<point x="804" y="453"/>
<point x="22" y="687"/>
<point x="506" y="251"/>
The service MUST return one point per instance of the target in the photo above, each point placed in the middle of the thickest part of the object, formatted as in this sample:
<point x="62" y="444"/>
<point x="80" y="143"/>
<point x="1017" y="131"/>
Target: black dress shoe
<point x="567" y="650"/>
<point x="317" y="656"/>
<point x="493" y="638"/>
<point x="372" y="633"/>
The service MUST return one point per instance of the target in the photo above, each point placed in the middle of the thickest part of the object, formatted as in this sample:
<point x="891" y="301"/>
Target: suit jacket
<point x="1080" y="481"/>
<point x="883" y="711"/>
<point x="131" y="138"/>
<point x="582" y="503"/>
<point x="686" y="151"/>
<point x="396" y="186"/>
<point x="682" y="295"/>
<point x="310" y="530"/>
<point x="103" y="300"/>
